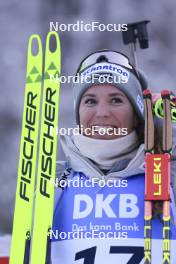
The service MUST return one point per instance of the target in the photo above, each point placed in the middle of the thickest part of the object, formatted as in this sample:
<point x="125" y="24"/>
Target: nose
<point x="103" y="110"/>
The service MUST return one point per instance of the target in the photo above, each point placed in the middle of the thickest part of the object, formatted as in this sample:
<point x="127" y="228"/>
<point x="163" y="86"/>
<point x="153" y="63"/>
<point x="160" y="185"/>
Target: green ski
<point x="44" y="202"/>
<point x="22" y="224"/>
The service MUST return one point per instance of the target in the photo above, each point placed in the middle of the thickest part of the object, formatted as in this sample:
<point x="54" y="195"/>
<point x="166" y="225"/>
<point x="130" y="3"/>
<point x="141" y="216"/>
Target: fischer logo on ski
<point x="28" y="145"/>
<point x="47" y="142"/>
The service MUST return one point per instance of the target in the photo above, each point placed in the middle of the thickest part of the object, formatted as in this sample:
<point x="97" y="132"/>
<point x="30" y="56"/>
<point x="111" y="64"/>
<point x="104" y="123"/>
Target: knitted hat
<point x="110" y="67"/>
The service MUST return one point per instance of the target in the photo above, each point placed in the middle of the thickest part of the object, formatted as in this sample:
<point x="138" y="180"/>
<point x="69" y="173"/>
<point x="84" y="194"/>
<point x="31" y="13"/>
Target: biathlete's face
<point x="106" y="112"/>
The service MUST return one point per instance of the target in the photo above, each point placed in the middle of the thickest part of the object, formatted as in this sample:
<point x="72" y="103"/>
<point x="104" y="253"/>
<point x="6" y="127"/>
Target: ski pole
<point x="149" y="149"/>
<point x="157" y="176"/>
<point x="167" y="150"/>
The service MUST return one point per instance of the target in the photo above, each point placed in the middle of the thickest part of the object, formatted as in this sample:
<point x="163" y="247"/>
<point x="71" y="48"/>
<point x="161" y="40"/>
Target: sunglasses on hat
<point x="108" y="56"/>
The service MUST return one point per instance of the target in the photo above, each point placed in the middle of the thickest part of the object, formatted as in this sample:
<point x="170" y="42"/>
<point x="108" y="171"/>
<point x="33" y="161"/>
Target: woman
<point x="99" y="204"/>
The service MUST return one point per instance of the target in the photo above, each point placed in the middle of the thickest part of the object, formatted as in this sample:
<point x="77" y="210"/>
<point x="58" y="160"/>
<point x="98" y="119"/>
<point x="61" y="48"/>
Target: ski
<point x="44" y="203"/>
<point x="22" y="223"/>
<point x="157" y="175"/>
